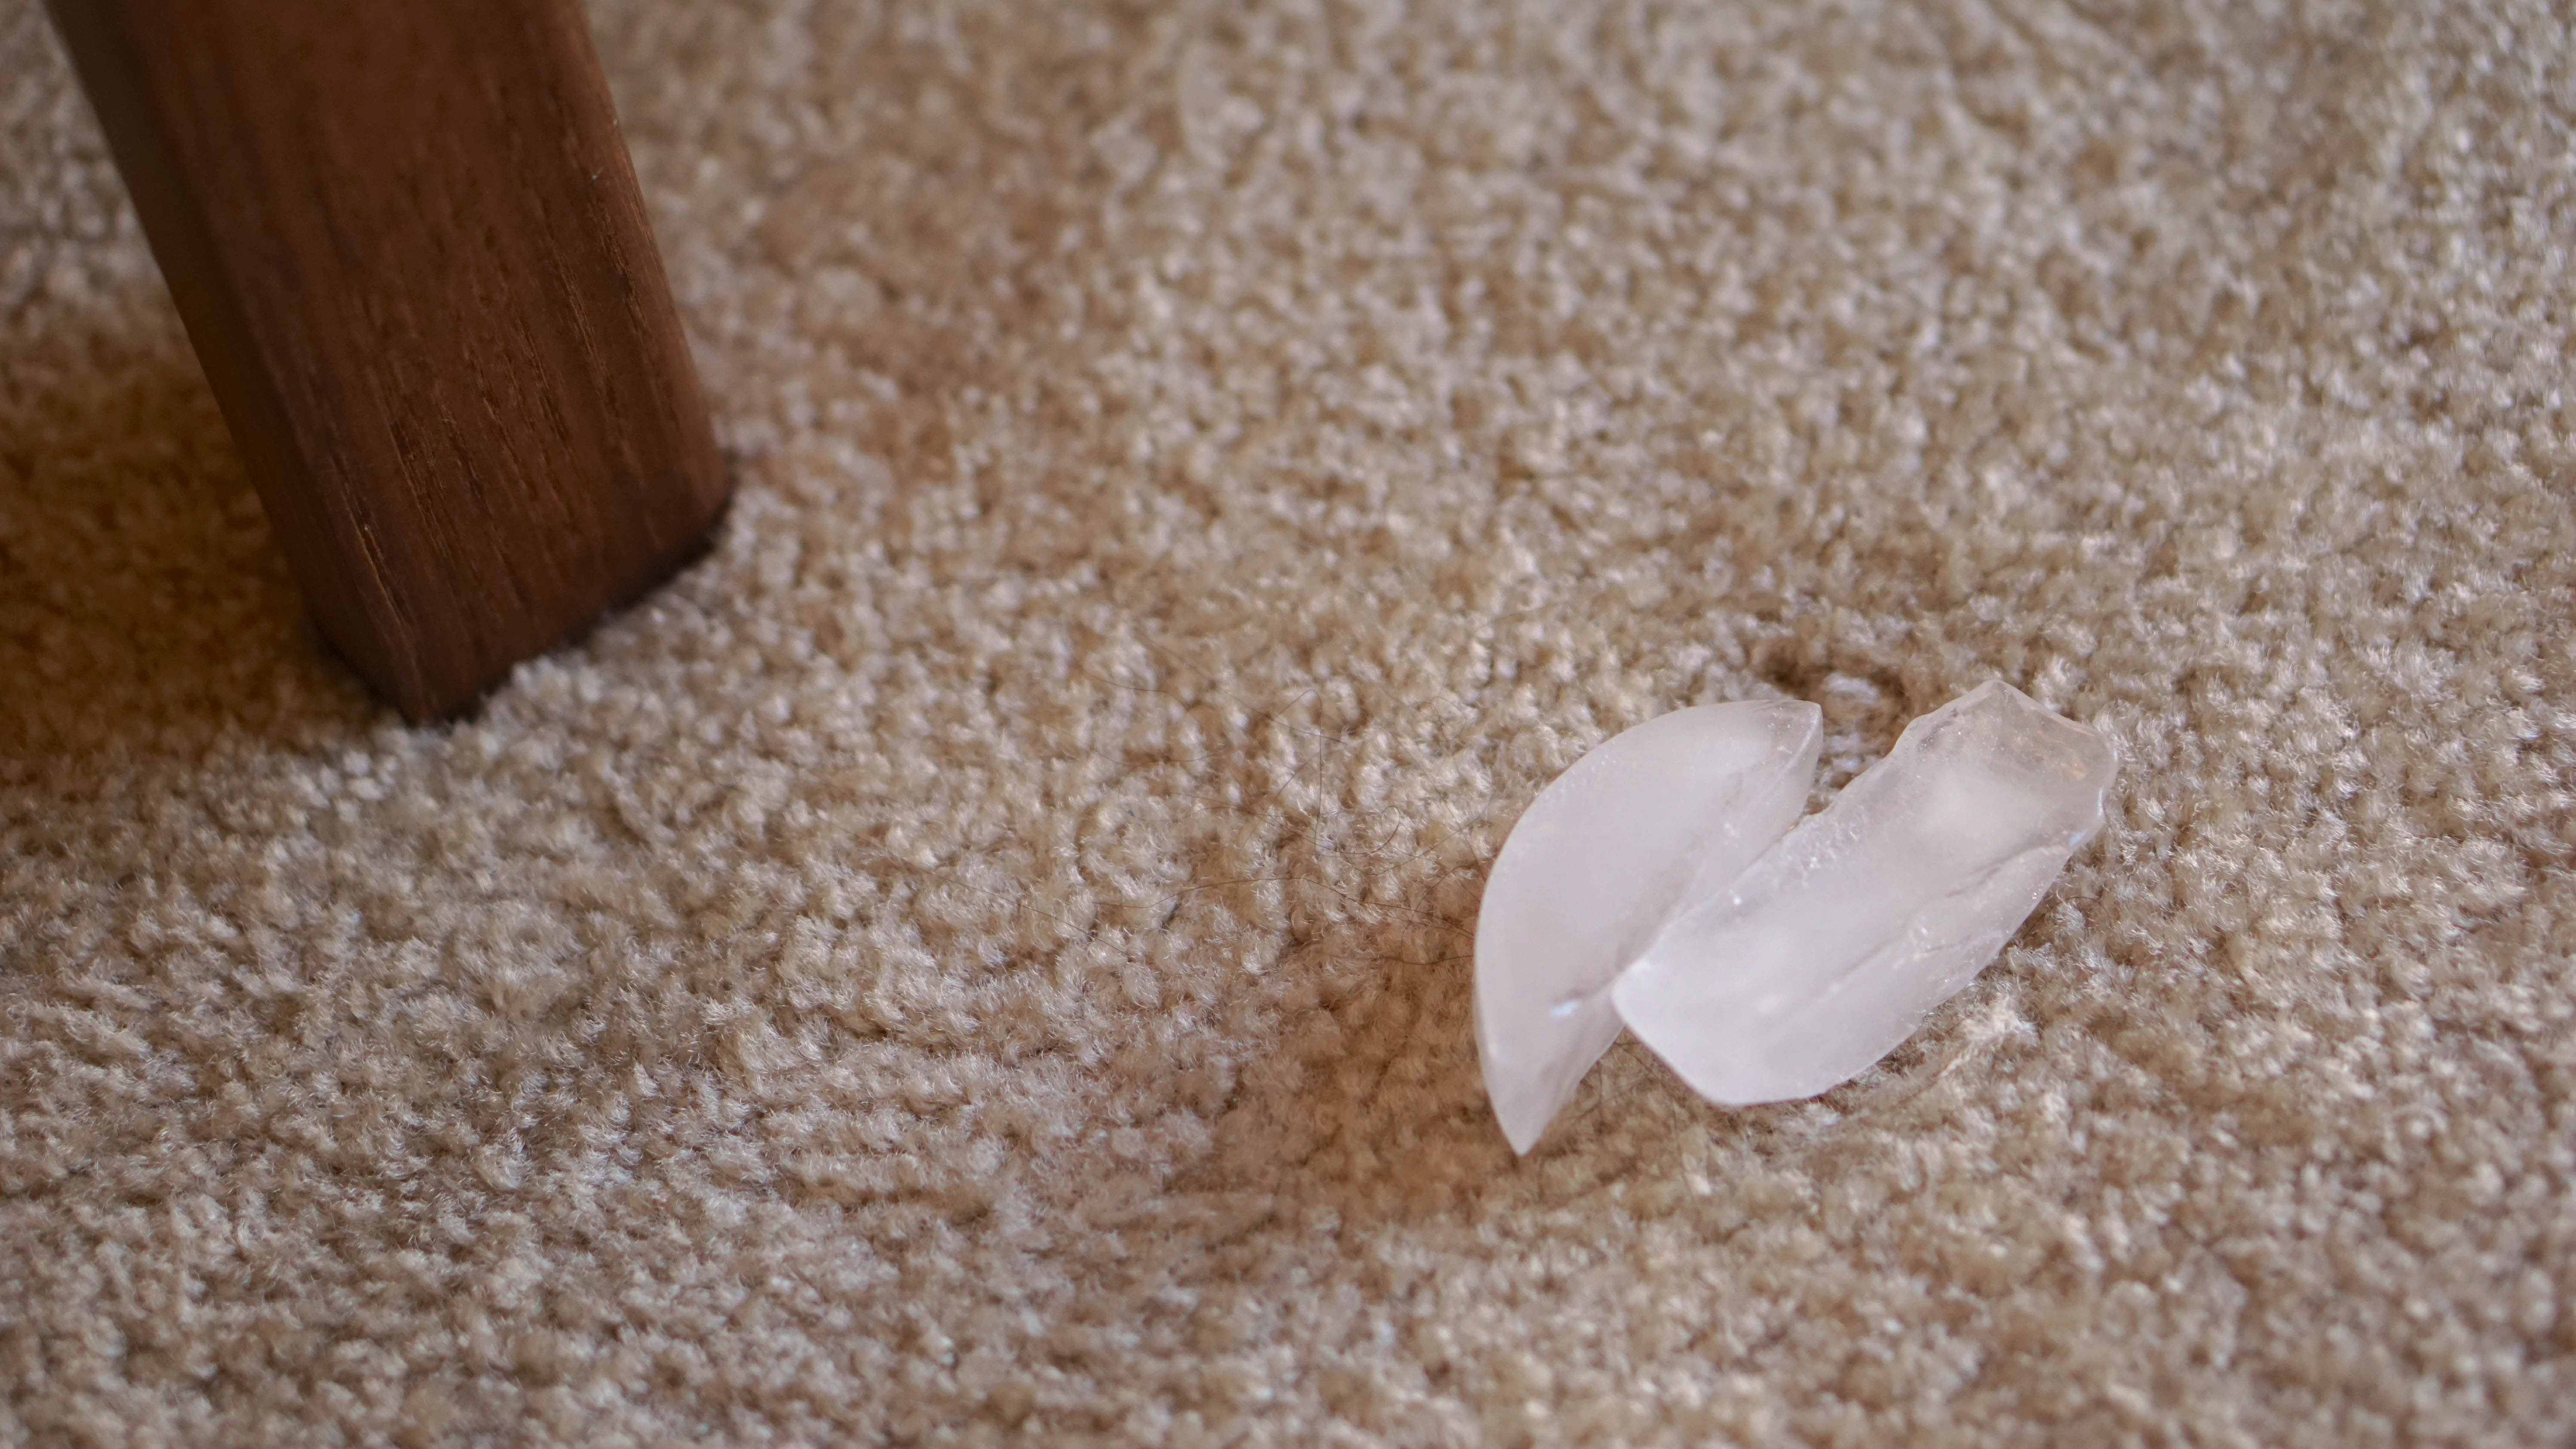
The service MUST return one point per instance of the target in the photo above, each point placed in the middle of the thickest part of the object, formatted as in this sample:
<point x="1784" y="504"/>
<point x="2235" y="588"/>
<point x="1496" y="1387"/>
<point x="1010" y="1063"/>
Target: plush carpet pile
<point x="985" y="955"/>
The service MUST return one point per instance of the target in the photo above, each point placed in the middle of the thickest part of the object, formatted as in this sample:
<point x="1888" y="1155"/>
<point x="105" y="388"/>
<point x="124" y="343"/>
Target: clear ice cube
<point x="1652" y="819"/>
<point x="1831" y="948"/>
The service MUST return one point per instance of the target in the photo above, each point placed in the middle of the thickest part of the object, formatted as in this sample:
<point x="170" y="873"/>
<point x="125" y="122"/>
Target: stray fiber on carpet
<point x="983" y="957"/>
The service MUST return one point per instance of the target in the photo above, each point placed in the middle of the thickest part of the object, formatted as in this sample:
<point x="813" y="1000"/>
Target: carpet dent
<point x="983" y="957"/>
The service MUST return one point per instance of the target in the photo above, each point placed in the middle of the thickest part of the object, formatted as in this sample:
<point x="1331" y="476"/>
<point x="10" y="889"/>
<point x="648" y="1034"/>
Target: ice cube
<point x="1832" y="947"/>
<point x="1648" y="821"/>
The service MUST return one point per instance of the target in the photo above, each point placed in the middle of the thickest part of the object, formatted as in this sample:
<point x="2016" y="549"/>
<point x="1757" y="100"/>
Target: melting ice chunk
<point x="1652" y="819"/>
<point x="1832" y="947"/>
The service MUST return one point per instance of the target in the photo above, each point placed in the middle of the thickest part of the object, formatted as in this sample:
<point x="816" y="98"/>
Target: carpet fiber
<point x="984" y="956"/>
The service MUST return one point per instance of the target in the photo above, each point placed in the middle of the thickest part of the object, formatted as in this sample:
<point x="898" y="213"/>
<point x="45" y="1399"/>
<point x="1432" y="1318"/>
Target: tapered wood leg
<point x="409" y="249"/>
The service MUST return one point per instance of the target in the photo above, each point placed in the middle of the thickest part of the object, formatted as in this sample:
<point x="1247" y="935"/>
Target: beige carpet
<point x="985" y="956"/>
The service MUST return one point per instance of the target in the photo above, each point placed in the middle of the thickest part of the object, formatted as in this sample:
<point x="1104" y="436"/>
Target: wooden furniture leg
<point x="409" y="249"/>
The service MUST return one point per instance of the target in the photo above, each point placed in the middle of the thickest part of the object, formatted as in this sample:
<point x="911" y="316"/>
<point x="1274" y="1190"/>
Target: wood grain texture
<point x="410" y="251"/>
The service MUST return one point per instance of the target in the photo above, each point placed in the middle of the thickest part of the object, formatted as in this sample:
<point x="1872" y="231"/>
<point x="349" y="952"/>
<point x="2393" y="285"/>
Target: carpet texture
<point x="984" y="956"/>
